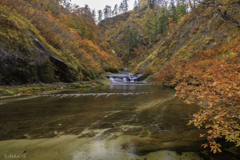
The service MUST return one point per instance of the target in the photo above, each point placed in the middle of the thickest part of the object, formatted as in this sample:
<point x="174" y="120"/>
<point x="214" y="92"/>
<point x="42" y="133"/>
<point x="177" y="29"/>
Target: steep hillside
<point x="199" y="55"/>
<point x="201" y="30"/>
<point x="124" y="32"/>
<point x="40" y="41"/>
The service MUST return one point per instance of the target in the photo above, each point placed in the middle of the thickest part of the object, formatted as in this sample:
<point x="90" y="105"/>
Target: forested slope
<point x="183" y="36"/>
<point x="124" y="32"/>
<point x="202" y="34"/>
<point x="48" y="41"/>
<point x="197" y="51"/>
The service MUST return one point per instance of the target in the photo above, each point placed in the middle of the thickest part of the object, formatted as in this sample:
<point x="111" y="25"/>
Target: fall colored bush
<point x="70" y="34"/>
<point x="210" y="77"/>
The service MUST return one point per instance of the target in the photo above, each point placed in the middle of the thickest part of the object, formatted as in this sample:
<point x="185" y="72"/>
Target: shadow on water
<point x="121" y="122"/>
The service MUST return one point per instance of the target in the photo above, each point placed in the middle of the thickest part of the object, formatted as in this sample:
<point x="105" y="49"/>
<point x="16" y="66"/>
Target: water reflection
<point x="109" y="122"/>
<point x="126" y="87"/>
<point x="93" y="94"/>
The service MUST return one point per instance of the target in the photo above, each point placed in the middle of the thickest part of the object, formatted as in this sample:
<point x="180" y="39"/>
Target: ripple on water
<point x="93" y="94"/>
<point x="132" y="120"/>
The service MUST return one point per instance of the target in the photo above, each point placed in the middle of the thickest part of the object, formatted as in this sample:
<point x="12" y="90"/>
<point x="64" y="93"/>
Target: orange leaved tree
<point x="219" y="85"/>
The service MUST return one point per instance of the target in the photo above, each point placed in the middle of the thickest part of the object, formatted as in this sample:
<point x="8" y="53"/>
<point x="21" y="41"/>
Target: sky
<point x="100" y="4"/>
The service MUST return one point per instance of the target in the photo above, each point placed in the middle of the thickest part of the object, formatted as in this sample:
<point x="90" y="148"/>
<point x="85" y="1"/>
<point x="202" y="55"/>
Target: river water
<point x="112" y="122"/>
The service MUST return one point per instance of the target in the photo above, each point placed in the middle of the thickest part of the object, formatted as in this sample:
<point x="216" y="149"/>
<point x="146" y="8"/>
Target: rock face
<point x="37" y="66"/>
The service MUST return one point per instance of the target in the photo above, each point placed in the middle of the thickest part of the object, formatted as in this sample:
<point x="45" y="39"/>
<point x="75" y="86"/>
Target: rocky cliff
<point x="19" y="65"/>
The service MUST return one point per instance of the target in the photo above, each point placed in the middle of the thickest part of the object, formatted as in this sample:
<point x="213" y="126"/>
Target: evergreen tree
<point x="162" y="22"/>
<point x="87" y="9"/>
<point x="125" y="5"/>
<point x="121" y="7"/>
<point x="100" y="15"/>
<point x="116" y="9"/>
<point x="135" y="6"/>
<point x="151" y="3"/>
<point x="113" y="12"/>
<point x="173" y="12"/>
<point x="87" y="15"/>
<point x="105" y="12"/>
<point x="180" y="9"/>
<point x="94" y="14"/>
<point x="148" y="23"/>
<point x="109" y="11"/>
<point x="131" y="39"/>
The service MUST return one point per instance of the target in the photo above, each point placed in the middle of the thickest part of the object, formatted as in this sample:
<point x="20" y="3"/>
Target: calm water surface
<point x="115" y="122"/>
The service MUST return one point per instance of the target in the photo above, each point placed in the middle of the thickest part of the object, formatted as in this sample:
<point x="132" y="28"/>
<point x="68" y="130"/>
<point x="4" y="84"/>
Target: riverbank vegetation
<point x="32" y="89"/>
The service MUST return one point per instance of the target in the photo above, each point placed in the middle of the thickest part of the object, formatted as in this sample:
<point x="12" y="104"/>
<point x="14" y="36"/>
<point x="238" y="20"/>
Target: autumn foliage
<point x="211" y="76"/>
<point x="70" y="30"/>
<point x="197" y="51"/>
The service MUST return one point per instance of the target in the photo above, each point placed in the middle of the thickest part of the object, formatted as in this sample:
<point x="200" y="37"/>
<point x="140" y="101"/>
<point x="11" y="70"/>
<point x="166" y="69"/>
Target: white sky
<point x="100" y="4"/>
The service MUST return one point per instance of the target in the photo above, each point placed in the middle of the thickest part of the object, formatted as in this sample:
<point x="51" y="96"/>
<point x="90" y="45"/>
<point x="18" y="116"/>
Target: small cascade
<point x="133" y="78"/>
<point x="124" y="78"/>
<point x="112" y="79"/>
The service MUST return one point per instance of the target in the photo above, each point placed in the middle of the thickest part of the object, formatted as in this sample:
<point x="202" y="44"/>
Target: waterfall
<point x="133" y="78"/>
<point x="112" y="79"/>
<point x="124" y="78"/>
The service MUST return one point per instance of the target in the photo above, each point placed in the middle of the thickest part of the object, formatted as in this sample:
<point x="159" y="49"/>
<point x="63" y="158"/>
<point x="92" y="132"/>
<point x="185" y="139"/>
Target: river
<point x="111" y="122"/>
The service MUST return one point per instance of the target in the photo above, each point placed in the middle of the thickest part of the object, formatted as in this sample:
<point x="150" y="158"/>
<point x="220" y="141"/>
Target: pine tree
<point x="116" y="9"/>
<point x="125" y="5"/>
<point x="87" y="9"/>
<point x="180" y="9"/>
<point x="162" y="22"/>
<point x="94" y="14"/>
<point x="105" y="12"/>
<point x="109" y="11"/>
<point x="151" y="3"/>
<point x="148" y="23"/>
<point x="131" y="39"/>
<point x="100" y="15"/>
<point x="135" y="6"/>
<point x="173" y="12"/>
<point x="121" y="7"/>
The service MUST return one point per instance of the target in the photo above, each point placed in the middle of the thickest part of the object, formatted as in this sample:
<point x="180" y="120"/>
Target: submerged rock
<point x="188" y="141"/>
<point x="101" y="125"/>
